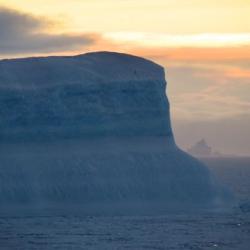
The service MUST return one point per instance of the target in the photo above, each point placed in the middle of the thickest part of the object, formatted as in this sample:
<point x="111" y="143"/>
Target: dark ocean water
<point x="207" y="230"/>
<point x="233" y="172"/>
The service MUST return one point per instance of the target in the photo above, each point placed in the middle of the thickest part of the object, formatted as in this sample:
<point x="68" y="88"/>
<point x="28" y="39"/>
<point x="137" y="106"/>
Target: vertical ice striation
<point x="93" y="131"/>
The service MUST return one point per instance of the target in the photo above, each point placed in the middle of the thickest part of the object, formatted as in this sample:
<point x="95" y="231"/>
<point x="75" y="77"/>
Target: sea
<point x="224" y="229"/>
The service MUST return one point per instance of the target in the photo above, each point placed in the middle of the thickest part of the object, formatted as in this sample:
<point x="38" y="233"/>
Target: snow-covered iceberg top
<point x="86" y="69"/>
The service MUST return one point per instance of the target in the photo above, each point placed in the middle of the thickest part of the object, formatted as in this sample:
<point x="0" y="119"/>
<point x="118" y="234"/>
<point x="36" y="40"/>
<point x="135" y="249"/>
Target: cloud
<point x="208" y="93"/>
<point x="23" y="33"/>
<point x="236" y="55"/>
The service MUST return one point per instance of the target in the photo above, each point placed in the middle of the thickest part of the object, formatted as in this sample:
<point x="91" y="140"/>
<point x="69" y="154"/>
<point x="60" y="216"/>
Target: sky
<point x="204" y="46"/>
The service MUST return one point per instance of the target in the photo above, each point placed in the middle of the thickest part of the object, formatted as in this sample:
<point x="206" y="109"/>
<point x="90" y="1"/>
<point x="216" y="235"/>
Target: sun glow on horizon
<point x="207" y="40"/>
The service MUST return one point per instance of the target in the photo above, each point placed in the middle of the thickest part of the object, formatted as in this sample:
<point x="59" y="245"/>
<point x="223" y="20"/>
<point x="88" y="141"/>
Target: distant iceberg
<point x="200" y="149"/>
<point x="93" y="133"/>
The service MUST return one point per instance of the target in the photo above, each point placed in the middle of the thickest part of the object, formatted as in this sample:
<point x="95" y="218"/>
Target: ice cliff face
<point x="95" y="94"/>
<point x="93" y="131"/>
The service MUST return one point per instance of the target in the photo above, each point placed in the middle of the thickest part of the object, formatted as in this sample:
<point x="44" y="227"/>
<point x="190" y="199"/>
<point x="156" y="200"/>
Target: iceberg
<point x="92" y="133"/>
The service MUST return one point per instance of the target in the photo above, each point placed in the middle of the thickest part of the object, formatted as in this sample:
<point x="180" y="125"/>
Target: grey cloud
<point x="24" y="33"/>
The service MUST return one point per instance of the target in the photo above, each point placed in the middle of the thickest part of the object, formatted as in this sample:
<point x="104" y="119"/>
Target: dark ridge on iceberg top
<point x="92" y="132"/>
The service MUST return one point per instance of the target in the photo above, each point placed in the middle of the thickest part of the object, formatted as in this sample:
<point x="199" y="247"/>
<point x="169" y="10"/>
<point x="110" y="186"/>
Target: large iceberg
<point x="92" y="133"/>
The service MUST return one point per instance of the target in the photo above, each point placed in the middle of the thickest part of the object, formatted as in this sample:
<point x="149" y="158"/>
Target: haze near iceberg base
<point x="93" y="132"/>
